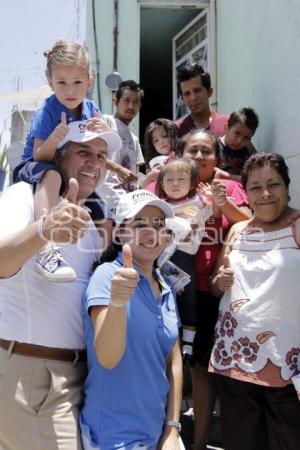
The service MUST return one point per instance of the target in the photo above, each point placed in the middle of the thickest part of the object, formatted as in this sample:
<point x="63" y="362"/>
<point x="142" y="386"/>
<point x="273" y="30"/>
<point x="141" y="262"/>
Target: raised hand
<point x="127" y="256"/>
<point x="72" y="193"/>
<point x="218" y="189"/>
<point x="61" y="131"/>
<point x="225" y="275"/>
<point x="153" y="174"/>
<point x="126" y="174"/>
<point x="124" y="280"/>
<point x="204" y="191"/>
<point x="97" y="124"/>
<point x="67" y="221"/>
<point x="219" y="173"/>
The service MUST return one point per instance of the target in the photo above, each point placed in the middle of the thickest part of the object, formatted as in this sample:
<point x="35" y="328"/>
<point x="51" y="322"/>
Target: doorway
<point x="158" y="27"/>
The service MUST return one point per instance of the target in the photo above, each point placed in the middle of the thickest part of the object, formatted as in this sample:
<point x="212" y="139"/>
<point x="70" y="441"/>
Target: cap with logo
<point x="79" y="133"/>
<point x="132" y="203"/>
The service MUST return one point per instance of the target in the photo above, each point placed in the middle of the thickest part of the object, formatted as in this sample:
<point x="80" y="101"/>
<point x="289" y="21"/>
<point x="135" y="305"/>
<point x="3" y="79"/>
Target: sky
<point x="27" y="28"/>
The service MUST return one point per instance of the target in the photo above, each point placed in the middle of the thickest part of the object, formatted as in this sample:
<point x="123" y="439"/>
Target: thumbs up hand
<point x="97" y="124"/>
<point x="127" y="256"/>
<point x="226" y="262"/>
<point x="67" y="221"/>
<point x="61" y="131"/>
<point x="72" y="191"/>
<point x="124" y="280"/>
<point x="225" y="276"/>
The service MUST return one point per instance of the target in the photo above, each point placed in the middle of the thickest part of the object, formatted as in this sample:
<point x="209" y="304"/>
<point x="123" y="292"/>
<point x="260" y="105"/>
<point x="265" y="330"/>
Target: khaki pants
<point x="39" y="401"/>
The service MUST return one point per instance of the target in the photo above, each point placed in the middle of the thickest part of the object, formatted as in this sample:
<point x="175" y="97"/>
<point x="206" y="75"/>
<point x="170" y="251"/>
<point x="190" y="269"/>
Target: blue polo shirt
<point x="46" y="118"/>
<point x="126" y="405"/>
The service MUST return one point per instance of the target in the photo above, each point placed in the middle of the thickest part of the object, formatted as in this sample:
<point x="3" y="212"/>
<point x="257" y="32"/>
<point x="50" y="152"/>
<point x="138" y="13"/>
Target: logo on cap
<point x="142" y="196"/>
<point x="81" y="127"/>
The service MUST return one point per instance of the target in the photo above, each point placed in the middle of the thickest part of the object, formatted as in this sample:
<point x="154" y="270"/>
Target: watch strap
<point x="174" y="424"/>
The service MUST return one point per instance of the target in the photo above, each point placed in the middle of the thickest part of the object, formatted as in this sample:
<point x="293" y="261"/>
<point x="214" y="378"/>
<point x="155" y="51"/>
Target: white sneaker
<point x="51" y="265"/>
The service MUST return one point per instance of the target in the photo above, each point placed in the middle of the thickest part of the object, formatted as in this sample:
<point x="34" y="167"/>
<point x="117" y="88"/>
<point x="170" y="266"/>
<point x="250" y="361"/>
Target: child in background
<point x="68" y="74"/>
<point x="235" y="146"/>
<point x="160" y="139"/>
<point x="177" y="184"/>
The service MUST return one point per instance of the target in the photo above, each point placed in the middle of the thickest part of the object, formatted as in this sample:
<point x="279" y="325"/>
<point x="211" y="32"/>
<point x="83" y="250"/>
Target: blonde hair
<point x="66" y="53"/>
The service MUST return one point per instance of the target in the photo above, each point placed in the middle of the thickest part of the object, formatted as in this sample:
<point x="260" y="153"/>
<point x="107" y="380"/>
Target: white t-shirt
<point x="33" y="310"/>
<point x="129" y="156"/>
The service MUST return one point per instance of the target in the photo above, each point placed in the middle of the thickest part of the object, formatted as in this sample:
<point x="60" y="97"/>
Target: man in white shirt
<point x="128" y="101"/>
<point x="42" y="356"/>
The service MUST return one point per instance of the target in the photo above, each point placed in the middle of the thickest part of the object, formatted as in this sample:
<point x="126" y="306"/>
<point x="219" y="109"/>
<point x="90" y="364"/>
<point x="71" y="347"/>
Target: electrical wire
<point x="97" y="53"/>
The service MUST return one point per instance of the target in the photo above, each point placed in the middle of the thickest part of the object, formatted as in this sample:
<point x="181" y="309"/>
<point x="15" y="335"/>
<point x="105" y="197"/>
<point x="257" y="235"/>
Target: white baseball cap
<point x="158" y="161"/>
<point x="132" y="203"/>
<point x="78" y="133"/>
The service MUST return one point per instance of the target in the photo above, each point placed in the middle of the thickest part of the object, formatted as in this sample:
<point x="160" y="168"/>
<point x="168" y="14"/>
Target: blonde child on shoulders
<point x="68" y="74"/>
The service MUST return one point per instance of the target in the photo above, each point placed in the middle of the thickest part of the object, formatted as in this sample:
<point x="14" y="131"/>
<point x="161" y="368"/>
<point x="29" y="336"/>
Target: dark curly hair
<point x="132" y="86"/>
<point x="191" y="70"/>
<point x="245" y="116"/>
<point x="260" y="160"/>
<point x="182" y="142"/>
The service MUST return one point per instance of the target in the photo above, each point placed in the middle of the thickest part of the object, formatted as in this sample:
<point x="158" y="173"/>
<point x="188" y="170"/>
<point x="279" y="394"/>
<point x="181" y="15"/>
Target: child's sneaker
<point x="51" y="265"/>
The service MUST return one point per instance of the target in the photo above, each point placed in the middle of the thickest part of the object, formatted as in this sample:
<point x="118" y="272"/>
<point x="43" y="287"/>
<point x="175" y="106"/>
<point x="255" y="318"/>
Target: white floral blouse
<point x="257" y="335"/>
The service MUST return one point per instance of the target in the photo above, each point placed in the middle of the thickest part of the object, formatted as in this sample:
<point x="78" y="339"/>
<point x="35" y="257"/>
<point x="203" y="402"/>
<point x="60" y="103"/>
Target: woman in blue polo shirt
<point x="133" y="389"/>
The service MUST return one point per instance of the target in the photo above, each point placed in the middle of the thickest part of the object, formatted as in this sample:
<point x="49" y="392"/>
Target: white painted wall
<point x="258" y="47"/>
<point x="258" y="43"/>
<point x="128" y="44"/>
<point x="128" y="40"/>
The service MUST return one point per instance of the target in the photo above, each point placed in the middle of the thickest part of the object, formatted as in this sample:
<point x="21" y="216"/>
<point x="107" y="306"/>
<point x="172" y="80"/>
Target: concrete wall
<point x="128" y="44"/>
<point x="258" y="47"/>
<point x="258" y="43"/>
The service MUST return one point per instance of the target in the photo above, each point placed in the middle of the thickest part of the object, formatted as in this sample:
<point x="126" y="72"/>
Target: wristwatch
<point x="174" y="424"/>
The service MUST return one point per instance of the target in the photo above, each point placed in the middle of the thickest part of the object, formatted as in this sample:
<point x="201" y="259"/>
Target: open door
<point x="190" y="44"/>
<point x="158" y="26"/>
